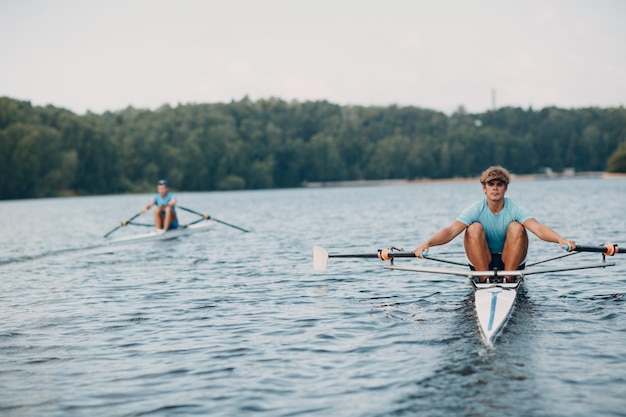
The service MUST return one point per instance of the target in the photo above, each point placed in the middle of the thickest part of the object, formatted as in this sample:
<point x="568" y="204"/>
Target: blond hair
<point x="495" y="172"/>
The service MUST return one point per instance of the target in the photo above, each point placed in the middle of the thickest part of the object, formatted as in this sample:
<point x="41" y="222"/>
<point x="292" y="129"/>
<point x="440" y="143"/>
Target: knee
<point x="474" y="230"/>
<point x="516" y="229"/>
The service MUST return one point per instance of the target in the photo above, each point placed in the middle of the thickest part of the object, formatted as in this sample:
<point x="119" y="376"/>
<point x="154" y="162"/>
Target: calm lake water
<point x="226" y="323"/>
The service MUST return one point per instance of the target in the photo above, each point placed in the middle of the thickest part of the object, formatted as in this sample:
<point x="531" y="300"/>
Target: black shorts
<point x="496" y="263"/>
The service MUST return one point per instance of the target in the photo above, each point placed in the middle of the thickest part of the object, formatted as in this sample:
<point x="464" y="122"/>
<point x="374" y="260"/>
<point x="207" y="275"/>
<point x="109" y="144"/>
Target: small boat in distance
<point x="204" y="223"/>
<point x="154" y="234"/>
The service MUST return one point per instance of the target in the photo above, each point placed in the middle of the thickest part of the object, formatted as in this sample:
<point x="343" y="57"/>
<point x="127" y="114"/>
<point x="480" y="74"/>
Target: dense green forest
<point x="49" y="151"/>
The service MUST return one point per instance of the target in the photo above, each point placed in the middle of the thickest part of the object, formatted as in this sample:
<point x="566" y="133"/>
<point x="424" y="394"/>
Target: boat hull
<point x="494" y="304"/>
<point x="170" y="234"/>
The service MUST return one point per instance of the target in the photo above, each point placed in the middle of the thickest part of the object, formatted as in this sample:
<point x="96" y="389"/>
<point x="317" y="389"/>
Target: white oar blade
<point x="320" y="258"/>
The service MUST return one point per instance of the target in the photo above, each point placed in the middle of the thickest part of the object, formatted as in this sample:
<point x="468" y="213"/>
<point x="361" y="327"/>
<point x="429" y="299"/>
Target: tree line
<point x="272" y="143"/>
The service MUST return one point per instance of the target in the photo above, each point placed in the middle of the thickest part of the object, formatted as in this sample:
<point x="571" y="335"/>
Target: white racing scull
<point x="494" y="301"/>
<point x="494" y="304"/>
<point x="202" y="224"/>
<point x="154" y="235"/>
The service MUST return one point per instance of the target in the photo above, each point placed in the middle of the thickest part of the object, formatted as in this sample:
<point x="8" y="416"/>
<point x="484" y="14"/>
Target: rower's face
<point x="495" y="189"/>
<point x="162" y="189"/>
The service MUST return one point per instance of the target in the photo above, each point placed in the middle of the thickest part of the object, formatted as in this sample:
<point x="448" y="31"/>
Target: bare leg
<point x="515" y="247"/>
<point x="158" y="218"/>
<point x="476" y="248"/>
<point x="170" y="216"/>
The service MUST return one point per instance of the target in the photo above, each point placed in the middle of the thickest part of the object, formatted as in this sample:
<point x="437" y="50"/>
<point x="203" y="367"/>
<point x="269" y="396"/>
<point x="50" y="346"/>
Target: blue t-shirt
<point x="163" y="201"/>
<point x="495" y="225"/>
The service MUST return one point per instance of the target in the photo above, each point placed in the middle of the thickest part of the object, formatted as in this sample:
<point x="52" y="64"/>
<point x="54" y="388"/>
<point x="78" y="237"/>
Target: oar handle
<point x="607" y="249"/>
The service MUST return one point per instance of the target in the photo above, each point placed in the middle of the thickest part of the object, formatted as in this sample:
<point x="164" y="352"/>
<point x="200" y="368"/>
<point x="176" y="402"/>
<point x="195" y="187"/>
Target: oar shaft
<point x="606" y="249"/>
<point x="124" y="223"/>
<point x="373" y="255"/>
<point x="207" y="217"/>
<point x="230" y="225"/>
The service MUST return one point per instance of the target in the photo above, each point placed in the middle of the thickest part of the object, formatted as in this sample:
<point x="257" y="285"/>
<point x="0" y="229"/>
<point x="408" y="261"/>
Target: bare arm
<point x="148" y="206"/>
<point x="442" y="237"/>
<point x="543" y="232"/>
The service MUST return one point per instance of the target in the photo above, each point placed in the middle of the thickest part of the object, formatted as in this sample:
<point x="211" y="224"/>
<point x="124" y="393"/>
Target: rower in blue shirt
<point x="495" y="228"/>
<point x="165" y="213"/>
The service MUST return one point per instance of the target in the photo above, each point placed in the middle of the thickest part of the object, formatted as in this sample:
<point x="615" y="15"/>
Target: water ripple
<point x="228" y="323"/>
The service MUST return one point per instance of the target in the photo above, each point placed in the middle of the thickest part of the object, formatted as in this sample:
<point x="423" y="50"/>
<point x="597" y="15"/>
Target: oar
<point x="607" y="249"/>
<point x="320" y="256"/>
<point x="208" y="217"/>
<point x="124" y="223"/>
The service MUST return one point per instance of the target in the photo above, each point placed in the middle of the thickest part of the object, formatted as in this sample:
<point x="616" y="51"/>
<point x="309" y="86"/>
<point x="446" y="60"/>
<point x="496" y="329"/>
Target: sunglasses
<point x="497" y="183"/>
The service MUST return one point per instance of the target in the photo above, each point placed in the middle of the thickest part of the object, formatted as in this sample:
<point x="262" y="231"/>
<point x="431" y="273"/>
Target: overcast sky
<point x="107" y="55"/>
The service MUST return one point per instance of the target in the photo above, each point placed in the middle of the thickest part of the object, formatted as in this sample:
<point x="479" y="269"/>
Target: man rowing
<point x="495" y="229"/>
<point x="165" y="213"/>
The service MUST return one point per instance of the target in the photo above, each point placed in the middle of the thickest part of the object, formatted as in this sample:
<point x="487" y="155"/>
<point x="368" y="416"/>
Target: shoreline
<point x="525" y="177"/>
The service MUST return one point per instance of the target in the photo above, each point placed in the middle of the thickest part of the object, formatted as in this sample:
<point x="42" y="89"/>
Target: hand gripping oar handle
<point x="607" y="249"/>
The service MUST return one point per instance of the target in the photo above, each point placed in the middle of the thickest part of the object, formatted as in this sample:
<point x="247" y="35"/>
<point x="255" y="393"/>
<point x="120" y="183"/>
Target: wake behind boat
<point x="494" y="301"/>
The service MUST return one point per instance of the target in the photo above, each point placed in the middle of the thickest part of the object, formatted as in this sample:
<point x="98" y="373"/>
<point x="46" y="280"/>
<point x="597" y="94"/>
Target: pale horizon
<point x="107" y="56"/>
